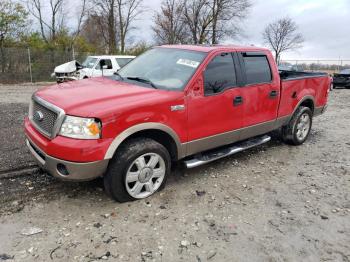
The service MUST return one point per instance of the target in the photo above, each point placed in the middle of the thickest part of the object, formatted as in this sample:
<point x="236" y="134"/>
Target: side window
<point x="257" y="69"/>
<point x="219" y="74"/>
<point x="106" y="62"/>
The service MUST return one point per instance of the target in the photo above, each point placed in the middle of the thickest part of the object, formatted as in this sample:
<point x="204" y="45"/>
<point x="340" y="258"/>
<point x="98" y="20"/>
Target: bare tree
<point x="169" y="25"/>
<point x="55" y="22"/>
<point x="282" y="35"/>
<point x="198" y="18"/>
<point x="105" y="12"/>
<point x="212" y="20"/>
<point x="120" y="15"/>
<point x="227" y="15"/>
<point x="81" y="14"/>
<point x="95" y="31"/>
<point x="127" y="12"/>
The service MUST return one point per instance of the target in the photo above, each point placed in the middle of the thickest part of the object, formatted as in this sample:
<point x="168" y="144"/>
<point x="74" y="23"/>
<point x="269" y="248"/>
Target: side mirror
<point x="102" y="64"/>
<point x="198" y="85"/>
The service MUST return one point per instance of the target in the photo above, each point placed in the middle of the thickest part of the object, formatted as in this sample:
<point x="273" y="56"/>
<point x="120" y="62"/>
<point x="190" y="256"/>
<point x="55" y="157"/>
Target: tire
<point x="136" y="162"/>
<point x="298" y="128"/>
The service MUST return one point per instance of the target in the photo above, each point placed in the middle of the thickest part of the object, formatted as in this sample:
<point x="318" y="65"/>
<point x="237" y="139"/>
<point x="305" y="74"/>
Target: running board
<point x="212" y="155"/>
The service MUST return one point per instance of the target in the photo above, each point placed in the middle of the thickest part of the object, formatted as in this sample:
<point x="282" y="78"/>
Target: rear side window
<point x="219" y="74"/>
<point x="257" y="69"/>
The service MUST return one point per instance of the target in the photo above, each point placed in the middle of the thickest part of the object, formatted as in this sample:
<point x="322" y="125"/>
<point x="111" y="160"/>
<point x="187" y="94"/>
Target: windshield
<point x="89" y="62"/>
<point x="164" y="68"/>
<point x="123" y="61"/>
<point x="345" y="72"/>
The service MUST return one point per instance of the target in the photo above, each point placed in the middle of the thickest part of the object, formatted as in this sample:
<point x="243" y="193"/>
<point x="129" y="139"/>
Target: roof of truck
<point x="209" y="48"/>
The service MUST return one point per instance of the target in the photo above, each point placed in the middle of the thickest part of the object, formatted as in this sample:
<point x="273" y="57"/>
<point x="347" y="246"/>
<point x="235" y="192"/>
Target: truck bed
<point x="294" y="86"/>
<point x="293" y="75"/>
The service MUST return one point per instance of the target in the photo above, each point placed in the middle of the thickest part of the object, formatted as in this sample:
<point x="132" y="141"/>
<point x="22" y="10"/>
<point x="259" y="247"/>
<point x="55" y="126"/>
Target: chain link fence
<point x="19" y="65"/>
<point x="329" y="66"/>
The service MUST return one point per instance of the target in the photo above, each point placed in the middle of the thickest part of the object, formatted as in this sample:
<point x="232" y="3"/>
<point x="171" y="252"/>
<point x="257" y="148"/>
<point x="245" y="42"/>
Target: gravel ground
<point x="271" y="203"/>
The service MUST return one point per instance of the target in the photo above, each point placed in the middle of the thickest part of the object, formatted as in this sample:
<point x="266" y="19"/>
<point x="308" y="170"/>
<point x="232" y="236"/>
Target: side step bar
<point x="212" y="155"/>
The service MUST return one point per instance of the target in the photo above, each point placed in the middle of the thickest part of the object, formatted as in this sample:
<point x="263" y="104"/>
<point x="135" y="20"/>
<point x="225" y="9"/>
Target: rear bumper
<point x="66" y="170"/>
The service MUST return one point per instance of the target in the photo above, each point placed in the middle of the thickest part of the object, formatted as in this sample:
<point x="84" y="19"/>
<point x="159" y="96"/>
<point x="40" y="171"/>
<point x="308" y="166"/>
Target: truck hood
<point x="97" y="97"/>
<point x="68" y="67"/>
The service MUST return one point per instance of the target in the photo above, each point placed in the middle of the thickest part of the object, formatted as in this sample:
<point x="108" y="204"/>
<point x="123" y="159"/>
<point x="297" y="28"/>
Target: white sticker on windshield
<point x="187" y="62"/>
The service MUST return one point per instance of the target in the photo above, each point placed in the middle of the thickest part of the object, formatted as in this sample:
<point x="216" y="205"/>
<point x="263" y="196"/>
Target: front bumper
<point x="66" y="170"/>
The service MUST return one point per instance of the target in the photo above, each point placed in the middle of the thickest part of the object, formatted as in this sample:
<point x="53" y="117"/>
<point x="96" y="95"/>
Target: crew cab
<point x="178" y="102"/>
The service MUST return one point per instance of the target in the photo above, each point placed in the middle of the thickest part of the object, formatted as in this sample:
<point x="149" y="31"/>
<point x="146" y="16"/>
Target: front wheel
<point x="138" y="169"/>
<point x="299" y="127"/>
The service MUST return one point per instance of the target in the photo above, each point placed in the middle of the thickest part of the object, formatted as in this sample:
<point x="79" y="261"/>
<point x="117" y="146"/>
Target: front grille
<point x="43" y="118"/>
<point x="61" y="74"/>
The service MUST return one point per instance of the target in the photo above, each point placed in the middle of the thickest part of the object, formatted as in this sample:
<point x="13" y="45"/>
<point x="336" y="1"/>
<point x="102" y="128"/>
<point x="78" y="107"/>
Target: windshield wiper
<point x="117" y="74"/>
<point x="143" y="80"/>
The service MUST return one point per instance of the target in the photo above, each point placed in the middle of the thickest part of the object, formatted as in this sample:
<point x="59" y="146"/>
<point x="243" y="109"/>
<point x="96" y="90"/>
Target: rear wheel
<point x="138" y="170"/>
<point x="298" y="129"/>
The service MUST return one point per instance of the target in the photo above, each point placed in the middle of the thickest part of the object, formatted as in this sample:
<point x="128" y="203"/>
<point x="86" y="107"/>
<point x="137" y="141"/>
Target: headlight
<point x="81" y="128"/>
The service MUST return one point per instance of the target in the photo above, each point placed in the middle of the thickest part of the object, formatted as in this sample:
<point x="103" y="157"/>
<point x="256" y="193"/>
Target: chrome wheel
<point x="303" y="126"/>
<point x="145" y="175"/>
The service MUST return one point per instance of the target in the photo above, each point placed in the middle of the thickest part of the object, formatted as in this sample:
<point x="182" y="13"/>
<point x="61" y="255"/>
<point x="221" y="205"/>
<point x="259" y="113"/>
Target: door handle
<point x="273" y="94"/>
<point x="237" y="100"/>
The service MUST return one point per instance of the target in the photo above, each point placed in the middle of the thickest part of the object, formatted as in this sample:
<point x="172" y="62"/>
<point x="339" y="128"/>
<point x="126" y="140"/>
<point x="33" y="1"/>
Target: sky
<point x="324" y="24"/>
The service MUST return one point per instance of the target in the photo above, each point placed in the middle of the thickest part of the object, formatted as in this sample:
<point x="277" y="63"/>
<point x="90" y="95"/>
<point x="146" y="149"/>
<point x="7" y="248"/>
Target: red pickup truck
<point x="190" y="103"/>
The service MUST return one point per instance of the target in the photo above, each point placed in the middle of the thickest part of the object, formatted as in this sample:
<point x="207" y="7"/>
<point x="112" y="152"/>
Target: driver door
<point x="215" y="112"/>
<point x="106" y="72"/>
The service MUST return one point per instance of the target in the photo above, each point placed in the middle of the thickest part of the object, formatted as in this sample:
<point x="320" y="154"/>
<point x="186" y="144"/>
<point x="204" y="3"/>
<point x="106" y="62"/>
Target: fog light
<point x="62" y="169"/>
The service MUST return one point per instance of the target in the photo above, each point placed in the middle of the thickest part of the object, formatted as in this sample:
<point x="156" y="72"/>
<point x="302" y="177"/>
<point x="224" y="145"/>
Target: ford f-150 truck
<point x="190" y="103"/>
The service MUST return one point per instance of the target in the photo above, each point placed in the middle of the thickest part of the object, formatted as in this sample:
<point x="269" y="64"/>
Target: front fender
<point x="142" y="127"/>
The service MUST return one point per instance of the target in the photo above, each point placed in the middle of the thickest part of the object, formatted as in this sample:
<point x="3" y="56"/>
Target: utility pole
<point x="30" y="66"/>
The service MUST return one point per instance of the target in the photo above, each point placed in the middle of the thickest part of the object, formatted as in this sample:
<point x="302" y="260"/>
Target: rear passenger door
<point x="260" y="92"/>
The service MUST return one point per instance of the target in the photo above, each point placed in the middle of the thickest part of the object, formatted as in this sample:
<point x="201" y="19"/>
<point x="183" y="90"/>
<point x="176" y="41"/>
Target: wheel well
<point x="308" y="103"/>
<point x="161" y="137"/>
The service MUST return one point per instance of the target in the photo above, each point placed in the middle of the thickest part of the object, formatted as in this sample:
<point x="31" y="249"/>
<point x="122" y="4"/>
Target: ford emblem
<point x="39" y="116"/>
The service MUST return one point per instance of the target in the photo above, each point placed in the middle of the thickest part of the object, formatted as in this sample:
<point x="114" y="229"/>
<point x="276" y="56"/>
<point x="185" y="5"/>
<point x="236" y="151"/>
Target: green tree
<point x="13" y="21"/>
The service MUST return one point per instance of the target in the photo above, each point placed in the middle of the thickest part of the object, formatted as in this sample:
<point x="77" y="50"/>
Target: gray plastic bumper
<point x="66" y="170"/>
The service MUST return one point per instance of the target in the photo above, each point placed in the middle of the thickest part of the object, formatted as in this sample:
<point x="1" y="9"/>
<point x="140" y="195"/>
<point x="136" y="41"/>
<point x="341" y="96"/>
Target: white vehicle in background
<point x="93" y="66"/>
